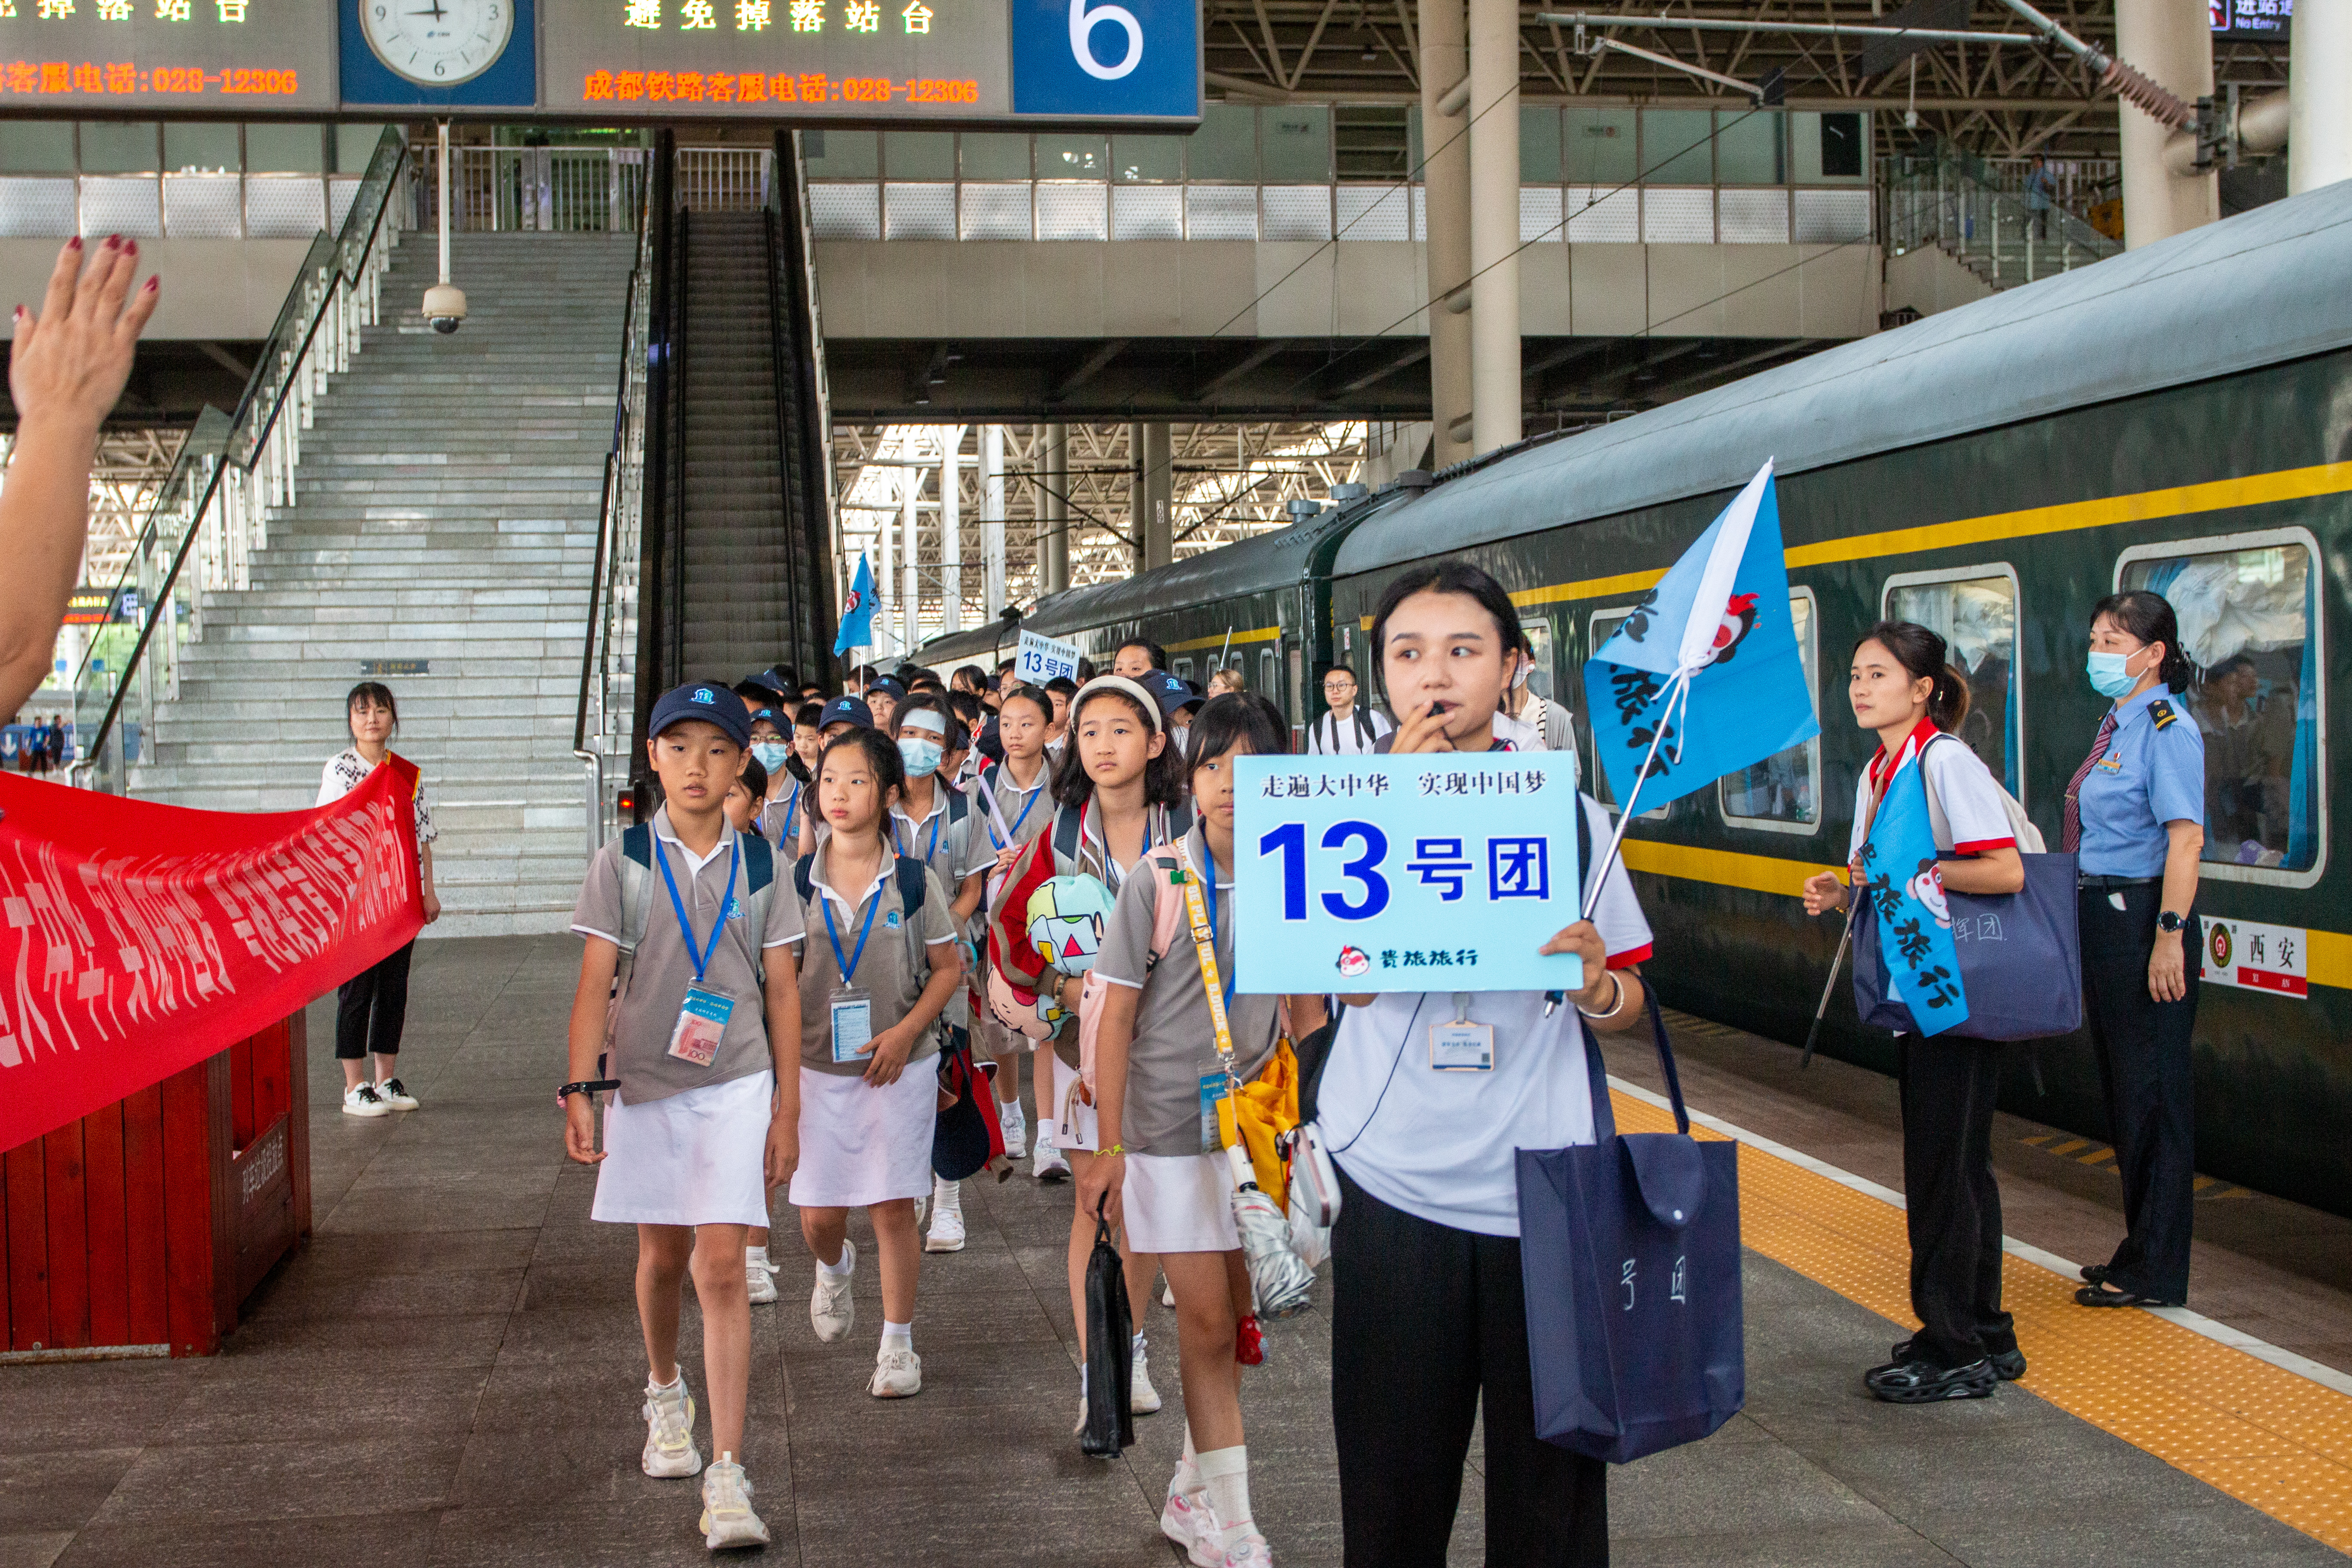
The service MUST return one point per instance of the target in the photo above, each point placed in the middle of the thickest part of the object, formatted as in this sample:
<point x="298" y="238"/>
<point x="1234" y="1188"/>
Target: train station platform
<point x="448" y="1373"/>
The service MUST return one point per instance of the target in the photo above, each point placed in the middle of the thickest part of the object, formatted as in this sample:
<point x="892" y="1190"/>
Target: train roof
<point x="2264" y="287"/>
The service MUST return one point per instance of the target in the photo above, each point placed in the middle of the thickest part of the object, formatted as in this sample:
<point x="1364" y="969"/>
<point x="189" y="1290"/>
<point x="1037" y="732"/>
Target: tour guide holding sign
<point x="1424" y="1102"/>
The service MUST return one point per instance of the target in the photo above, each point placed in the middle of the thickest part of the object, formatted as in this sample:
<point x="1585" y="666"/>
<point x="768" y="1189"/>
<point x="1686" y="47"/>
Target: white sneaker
<point x="669" y="1431"/>
<point x="898" y="1374"/>
<point x="760" y="1275"/>
<point x="1142" y="1399"/>
<point x="1206" y="1549"/>
<point x="1186" y="1511"/>
<point x="727" y="1517"/>
<point x="831" y="1311"/>
<point x="1049" y="1165"/>
<point x="395" y="1093"/>
<point x="1250" y="1552"/>
<point x="947" y="1231"/>
<point x="1016" y="1124"/>
<point x="361" y="1100"/>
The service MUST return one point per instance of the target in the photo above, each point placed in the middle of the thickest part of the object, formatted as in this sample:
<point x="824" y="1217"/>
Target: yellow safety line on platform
<point x="2274" y="1441"/>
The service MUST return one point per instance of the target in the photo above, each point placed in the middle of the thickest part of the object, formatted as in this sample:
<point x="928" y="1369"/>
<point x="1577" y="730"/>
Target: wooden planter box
<point x="140" y="1229"/>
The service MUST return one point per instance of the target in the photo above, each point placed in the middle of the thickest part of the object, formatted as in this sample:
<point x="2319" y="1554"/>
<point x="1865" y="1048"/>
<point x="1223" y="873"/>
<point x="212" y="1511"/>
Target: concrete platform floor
<point x="448" y="1374"/>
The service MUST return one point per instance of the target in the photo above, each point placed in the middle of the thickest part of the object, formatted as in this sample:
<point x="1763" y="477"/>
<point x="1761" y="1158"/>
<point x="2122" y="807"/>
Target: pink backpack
<point x="1167" y="922"/>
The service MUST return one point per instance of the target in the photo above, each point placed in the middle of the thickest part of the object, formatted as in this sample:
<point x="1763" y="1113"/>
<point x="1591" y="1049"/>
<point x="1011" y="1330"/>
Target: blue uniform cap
<point x="851" y="708"/>
<point x="706" y="700"/>
<point x="889" y="686"/>
<point x="1173" y="693"/>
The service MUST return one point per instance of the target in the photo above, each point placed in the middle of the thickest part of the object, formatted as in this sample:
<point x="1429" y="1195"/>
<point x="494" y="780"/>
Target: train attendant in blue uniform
<point x="2135" y="815"/>
<point x="1902" y="686"/>
<point x="1429" y="1324"/>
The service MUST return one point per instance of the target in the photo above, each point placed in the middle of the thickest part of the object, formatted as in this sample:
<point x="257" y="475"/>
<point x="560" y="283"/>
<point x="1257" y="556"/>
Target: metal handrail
<point x="252" y="454"/>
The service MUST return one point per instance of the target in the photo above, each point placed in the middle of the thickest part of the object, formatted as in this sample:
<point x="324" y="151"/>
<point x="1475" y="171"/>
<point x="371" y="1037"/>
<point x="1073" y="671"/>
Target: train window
<point x="2250" y="624"/>
<point x="1603" y="627"/>
<point x="1974" y="610"/>
<point x="1269" y="674"/>
<point x="1782" y="793"/>
<point x="1184" y="670"/>
<point x="1539" y="674"/>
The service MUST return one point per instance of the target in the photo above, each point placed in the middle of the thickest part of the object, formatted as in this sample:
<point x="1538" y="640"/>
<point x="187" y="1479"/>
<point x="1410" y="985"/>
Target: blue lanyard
<point x="1209" y="886"/>
<point x="848" y="966"/>
<point x="702" y="958"/>
<point x="1015" y="828"/>
<point x="938" y="817"/>
<point x="792" y="811"/>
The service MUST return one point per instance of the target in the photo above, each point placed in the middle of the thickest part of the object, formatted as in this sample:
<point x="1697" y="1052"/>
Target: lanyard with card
<point x="702" y="1020"/>
<point x="852" y="1010"/>
<point x="1218" y="1128"/>
<point x="1459" y="1045"/>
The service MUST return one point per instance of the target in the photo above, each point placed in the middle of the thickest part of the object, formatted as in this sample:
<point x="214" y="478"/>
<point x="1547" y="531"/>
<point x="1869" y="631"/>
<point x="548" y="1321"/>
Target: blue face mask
<point x="772" y="754"/>
<point x="2108" y="677"/>
<point x="921" y="756"/>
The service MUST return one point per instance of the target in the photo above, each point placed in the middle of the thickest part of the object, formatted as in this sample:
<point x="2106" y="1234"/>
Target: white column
<point x="951" y="530"/>
<point x="2172" y="42"/>
<point x="992" y="519"/>
<point x="1446" y="204"/>
<point x="1494" y="224"/>
<point x="910" y="598"/>
<point x="2319" y="89"/>
<point x="885" y="587"/>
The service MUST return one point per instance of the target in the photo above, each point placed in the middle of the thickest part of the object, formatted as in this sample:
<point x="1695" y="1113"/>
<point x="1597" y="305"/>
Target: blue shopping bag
<point x="1629" y="1251"/>
<point x="2021" y="959"/>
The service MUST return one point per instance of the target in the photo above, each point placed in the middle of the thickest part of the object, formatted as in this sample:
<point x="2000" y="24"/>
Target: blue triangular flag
<point x="1705" y="677"/>
<point x="857" y="616"/>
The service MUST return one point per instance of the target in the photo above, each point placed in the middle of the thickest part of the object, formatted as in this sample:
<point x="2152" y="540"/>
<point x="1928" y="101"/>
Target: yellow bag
<point x="1253" y="1115"/>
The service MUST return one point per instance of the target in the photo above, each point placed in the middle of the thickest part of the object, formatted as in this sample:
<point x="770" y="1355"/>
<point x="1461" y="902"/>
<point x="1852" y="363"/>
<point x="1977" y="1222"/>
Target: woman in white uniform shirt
<point x="1429" y="1317"/>
<point x="1901" y="687"/>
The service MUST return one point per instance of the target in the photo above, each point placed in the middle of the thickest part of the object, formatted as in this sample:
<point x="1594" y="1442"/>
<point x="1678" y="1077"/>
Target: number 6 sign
<point x="1083" y="23"/>
<point x="1420" y="873"/>
<point x="1107" y="59"/>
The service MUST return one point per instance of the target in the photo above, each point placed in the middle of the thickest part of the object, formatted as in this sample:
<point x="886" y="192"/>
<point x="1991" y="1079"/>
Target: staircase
<point x="739" y="557"/>
<point x="446" y="513"/>
<point x="1956" y="203"/>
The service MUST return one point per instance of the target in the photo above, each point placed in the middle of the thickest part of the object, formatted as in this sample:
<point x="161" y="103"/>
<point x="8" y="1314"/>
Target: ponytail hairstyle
<point x="1924" y="657"/>
<point x="881" y="755"/>
<point x="1164" y="778"/>
<point x="2149" y="618"/>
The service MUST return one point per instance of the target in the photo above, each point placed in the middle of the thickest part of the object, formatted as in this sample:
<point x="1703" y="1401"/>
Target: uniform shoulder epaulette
<point x="2161" y="711"/>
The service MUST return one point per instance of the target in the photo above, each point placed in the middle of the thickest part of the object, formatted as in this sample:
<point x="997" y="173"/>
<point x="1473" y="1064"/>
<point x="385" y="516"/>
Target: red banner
<point x="137" y="939"/>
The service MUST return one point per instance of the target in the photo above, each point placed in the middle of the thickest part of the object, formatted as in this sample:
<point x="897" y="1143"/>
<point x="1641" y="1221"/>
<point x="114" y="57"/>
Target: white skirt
<point x="694" y="1158"/>
<point x="863" y="1145"/>
<point x="1179" y="1203"/>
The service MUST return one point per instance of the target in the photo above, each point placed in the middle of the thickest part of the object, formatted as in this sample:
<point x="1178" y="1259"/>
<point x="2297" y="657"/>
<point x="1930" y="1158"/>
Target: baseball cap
<point x="706" y="700"/>
<point x="888" y="685"/>
<point x="1174" y="694"/>
<point x="850" y="709"/>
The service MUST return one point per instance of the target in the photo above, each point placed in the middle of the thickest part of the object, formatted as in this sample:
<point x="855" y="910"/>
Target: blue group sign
<point x="1434" y="872"/>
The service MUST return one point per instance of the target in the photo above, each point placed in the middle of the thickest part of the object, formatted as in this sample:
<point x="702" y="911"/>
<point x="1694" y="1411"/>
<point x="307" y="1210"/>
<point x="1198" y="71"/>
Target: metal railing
<point x="1955" y="203"/>
<point x="233" y="473"/>
<point x="533" y="190"/>
<point x="604" y="729"/>
<point x="725" y="179"/>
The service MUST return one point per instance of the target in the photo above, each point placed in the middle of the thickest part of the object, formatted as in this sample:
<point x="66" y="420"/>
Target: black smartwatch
<point x="2168" y="922"/>
<point x="590" y="1088"/>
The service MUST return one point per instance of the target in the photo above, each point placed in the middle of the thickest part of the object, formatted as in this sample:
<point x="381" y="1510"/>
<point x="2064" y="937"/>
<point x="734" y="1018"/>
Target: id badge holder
<point x="1461" y="1046"/>
<point x="1215" y="1087"/>
<point x="852" y="1024"/>
<point x="701" y="1024"/>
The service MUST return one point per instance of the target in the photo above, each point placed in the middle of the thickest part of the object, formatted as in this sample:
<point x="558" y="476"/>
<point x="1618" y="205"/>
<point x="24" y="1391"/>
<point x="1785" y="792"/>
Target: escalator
<point x="737" y="573"/>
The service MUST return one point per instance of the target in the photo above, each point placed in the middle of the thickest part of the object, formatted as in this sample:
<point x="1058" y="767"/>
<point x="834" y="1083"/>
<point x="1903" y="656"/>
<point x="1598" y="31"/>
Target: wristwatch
<point x="2168" y="922"/>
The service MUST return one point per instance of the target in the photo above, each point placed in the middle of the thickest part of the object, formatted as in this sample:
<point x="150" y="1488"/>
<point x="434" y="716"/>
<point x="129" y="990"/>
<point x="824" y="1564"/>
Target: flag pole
<point x="1226" y="649"/>
<point x="1552" y="999"/>
<point x="1829" y="987"/>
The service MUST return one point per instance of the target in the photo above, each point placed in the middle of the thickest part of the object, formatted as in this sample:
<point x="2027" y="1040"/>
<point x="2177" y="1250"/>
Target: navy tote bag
<point x="2021" y="959"/>
<point x="1629" y="1252"/>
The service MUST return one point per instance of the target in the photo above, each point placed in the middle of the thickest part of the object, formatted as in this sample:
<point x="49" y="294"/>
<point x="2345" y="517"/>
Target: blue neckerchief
<point x="848" y="966"/>
<point x="702" y="958"/>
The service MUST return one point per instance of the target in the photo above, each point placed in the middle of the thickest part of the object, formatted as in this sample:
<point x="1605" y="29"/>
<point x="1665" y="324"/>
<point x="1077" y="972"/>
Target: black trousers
<point x="1425" y="1319"/>
<point x="2143" y="1048"/>
<point x="1952" y="1204"/>
<point x="370" y="1008"/>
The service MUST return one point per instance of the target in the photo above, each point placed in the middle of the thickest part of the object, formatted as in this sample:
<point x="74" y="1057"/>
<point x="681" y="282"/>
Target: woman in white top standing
<point x="371" y="1007"/>
<point x="1902" y="686"/>
<point x="1428" y="1313"/>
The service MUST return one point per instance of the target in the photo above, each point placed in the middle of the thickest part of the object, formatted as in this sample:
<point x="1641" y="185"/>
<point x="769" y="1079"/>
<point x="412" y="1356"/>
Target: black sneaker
<point x="1924" y="1382"/>
<point x="2008" y="1365"/>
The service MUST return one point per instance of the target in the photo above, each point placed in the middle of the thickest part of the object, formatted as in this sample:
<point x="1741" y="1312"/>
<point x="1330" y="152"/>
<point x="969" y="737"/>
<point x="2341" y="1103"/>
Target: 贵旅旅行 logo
<point x="1107" y="57"/>
<point x="1354" y="961"/>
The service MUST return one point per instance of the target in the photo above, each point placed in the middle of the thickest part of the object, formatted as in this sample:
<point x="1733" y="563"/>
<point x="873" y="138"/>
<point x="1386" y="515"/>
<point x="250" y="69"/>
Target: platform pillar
<point x="886" y="580"/>
<point x="991" y="519"/>
<point x="1494" y="107"/>
<point x="1154" y="494"/>
<point x="1054" y="514"/>
<point x="951" y="529"/>
<point x="1446" y="205"/>
<point x="911" y="594"/>
<point x="2319" y="93"/>
<point x="2172" y="42"/>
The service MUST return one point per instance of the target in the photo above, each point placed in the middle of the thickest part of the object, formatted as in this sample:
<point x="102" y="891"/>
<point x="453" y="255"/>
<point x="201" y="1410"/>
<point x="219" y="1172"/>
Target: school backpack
<point x="637" y="894"/>
<point x="2021" y="827"/>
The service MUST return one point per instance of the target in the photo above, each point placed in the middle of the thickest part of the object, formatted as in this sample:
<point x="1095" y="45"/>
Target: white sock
<point x="842" y="1269"/>
<point x="1225" y="1473"/>
<point x="677" y="1381"/>
<point x="1011" y="1112"/>
<point x="946" y="1197"/>
<point x="900" y="1336"/>
<point x="754" y="1256"/>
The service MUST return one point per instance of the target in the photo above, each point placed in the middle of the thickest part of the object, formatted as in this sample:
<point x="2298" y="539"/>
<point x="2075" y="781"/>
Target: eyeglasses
<point x="1338" y="685"/>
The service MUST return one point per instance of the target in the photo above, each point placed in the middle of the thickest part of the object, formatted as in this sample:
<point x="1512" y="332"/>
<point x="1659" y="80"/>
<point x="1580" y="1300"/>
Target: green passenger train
<point x="2178" y="418"/>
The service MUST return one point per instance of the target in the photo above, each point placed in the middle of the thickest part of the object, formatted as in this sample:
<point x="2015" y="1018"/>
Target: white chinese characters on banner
<point x="2256" y="957"/>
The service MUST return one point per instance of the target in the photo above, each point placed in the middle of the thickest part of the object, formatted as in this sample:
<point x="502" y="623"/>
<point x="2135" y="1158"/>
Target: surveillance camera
<point x="445" y="308"/>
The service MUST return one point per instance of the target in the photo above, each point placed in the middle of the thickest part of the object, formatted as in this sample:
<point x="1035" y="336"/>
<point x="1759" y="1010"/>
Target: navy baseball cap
<point x="845" y="708"/>
<point x="888" y="685"/>
<point x="1173" y="695"/>
<point x="706" y="700"/>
